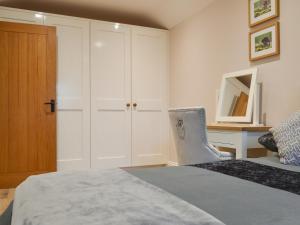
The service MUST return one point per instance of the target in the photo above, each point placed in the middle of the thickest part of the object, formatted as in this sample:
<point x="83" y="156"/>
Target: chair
<point x="189" y="131"/>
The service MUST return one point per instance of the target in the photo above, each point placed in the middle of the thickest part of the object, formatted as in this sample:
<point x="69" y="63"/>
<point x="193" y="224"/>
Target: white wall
<point x="215" y="41"/>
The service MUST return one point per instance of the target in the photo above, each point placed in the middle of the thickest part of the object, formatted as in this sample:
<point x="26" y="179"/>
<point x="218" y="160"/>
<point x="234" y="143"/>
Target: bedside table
<point x="236" y="136"/>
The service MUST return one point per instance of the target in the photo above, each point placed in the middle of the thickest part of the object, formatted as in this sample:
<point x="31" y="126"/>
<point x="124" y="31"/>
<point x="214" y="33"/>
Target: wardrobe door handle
<point x="134" y="105"/>
<point x="128" y="105"/>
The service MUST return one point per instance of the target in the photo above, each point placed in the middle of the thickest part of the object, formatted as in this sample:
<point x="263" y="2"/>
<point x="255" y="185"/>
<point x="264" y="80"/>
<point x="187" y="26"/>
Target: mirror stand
<point x="257" y="105"/>
<point x="237" y="96"/>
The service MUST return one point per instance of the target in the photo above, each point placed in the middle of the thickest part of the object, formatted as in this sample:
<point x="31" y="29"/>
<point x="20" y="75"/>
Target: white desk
<point x="236" y="136"/>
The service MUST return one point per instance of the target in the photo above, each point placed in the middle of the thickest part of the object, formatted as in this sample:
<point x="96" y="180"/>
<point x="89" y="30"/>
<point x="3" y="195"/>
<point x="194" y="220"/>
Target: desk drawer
<point x="222" y="138"/>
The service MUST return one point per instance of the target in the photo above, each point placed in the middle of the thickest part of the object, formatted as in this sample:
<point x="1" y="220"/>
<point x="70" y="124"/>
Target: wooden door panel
<point x="17" y="101"/>
<point x="51" y="61"/>
<point x="27" y="81"/>
<point x="36" y="108"/>
<point x="3" y="101"/>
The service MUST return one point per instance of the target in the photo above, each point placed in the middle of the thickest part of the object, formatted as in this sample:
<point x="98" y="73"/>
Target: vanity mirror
<point x="238" y="96"/>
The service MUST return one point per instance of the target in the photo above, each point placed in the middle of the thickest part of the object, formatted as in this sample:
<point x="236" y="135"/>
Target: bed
<point x="232" y="200"/>
<point x="186" y="195"/>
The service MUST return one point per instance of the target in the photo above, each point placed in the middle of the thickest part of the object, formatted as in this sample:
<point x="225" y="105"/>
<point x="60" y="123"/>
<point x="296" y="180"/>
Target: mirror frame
<point x="239" y="119"/>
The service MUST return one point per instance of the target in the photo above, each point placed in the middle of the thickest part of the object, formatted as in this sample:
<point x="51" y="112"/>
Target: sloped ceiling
<point x="153" y="13"/>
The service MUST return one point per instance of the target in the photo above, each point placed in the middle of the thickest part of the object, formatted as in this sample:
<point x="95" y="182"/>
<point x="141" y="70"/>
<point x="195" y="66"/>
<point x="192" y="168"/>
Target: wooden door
<point x="150" y="133"/>
<point x="27" y="84"/>
<point x="110" y="95"/>
<point x="73" y="92"/>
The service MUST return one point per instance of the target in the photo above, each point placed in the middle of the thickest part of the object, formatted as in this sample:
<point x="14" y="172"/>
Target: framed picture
<point x="262" y="10"/>
<point x="264" y="42"/>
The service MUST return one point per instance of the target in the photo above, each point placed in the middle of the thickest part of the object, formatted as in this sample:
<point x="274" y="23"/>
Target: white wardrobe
<point x="112" y="91"/>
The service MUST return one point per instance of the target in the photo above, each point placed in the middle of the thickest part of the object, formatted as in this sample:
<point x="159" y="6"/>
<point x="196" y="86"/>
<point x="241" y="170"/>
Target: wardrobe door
<point x="73" y="91"/>
<point x="149" y="96"/>
<point x="111" y="94"/>
<point x="20" y="16"/>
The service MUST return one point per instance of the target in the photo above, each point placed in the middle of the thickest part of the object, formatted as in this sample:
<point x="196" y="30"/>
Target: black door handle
<point x="52" y="104"/>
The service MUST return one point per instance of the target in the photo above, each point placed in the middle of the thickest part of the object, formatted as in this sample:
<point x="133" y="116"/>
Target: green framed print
<point x="264" y="42"/>
<point x="262" y="10"/>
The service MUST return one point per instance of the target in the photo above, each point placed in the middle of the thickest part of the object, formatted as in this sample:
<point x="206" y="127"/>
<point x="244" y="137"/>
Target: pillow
<point x="268" y="142"/>
<point x="287" y="138"/>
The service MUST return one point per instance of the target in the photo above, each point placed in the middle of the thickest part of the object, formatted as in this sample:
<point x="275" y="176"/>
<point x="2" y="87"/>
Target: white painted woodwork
<point x="239" y="140"/>
<point x="110" y="92"/>
<point x="20" y="16"/>
<point x="150" y="134"/>
<point x="73" y="91"/>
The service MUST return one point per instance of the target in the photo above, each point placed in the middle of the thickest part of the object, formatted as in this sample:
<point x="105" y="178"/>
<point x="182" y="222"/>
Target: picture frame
<point x="264" y="42"/>
<point x="262" y="10"/>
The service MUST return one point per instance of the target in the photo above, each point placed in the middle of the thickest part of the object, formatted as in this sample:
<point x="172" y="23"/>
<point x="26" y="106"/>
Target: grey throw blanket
<point x="100" y="198"/>
<point x="255" y="172"/>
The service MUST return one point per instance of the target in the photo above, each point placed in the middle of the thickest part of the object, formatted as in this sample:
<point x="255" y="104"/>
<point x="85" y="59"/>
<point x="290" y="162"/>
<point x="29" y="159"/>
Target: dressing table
<point x="238" y="114"/>
<point x="240" y="137"/>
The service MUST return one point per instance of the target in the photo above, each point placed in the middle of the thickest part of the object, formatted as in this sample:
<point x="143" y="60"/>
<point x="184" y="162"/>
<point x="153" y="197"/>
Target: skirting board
<point x="171" y="163"/>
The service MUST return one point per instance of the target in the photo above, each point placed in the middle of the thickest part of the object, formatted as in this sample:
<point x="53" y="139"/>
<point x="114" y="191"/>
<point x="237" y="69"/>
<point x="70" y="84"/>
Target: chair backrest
<point x="189" y="131"/>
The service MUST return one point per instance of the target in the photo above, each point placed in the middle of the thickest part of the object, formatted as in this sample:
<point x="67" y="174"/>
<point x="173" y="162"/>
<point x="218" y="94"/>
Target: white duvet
<point x="100" y="198"/>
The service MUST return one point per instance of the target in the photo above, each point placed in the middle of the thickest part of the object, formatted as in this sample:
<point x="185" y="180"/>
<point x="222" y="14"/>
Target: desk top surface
<point x="237" y="127"/>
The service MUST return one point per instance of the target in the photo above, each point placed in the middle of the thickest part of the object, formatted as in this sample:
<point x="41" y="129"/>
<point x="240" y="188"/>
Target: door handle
<point x="52" y="104"/>
<point x="128" y="105"/>
<point x="134" y="105"/>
